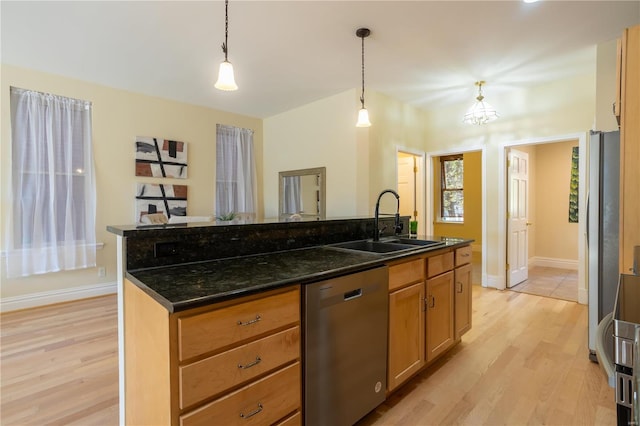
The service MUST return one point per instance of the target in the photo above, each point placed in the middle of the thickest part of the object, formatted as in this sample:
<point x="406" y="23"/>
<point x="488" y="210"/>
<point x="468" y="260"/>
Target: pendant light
<point x="480" y="112"/>
<point x="363" y="114"/>
<point x="226" y="80"/>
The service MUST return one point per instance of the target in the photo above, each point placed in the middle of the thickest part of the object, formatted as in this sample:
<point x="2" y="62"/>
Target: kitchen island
<point x="220" y="338"/>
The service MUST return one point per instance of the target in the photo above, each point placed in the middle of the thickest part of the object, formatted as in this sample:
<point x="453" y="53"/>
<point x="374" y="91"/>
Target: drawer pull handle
<point x="465" y="255"/>
<point x="459" y="287"/>
<point x="253" y="413"/>
<point x="251" y="364"/>
<point x="253" y="321"/>
<point x="430" y="301"/>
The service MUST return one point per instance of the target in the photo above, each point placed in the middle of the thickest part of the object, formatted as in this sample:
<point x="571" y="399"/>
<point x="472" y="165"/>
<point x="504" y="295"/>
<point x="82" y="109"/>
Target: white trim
<point x="5" y="253"/>
<point x="56" y="296"/>
<point x="549" y="262"/>
<point x="486" y="280"/>
<point x="502" y="233"/>
<point x="492" y="281"/>
<point x="121" y="249"/>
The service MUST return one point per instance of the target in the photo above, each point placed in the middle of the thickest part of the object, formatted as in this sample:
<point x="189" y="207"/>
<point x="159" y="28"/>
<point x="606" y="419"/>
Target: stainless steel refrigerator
<point x="603" y="206"/>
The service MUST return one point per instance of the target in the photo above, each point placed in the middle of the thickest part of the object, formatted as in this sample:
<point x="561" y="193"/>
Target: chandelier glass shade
<point x="481" y="112"/>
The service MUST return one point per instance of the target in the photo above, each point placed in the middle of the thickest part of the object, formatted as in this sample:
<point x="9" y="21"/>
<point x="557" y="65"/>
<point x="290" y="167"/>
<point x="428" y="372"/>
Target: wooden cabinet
<point x="406" y="334"/>
<point x="462" y="295"/>
<point x="462" y="291"/>
<point x="423" y="310"/>
<point x="440" y="314"/>
<point x="228" y="363"/>
<point x="629" y="110"/>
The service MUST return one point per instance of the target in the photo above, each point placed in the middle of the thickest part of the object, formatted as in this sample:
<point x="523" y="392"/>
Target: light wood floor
<point x="523" y="362"/>
<point x="59" y="364"/>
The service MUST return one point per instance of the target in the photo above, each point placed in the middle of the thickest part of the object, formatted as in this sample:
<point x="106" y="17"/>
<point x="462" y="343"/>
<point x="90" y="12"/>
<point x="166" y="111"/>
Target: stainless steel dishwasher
<point x="345" y="347"/>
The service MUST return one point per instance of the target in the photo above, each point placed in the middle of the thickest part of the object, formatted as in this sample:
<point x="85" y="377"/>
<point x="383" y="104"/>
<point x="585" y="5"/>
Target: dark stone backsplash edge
<point x="165" y="246"/>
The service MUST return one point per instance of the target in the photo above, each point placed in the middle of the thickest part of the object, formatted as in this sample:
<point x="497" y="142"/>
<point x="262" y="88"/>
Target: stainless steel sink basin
<point x="374" y="246"/>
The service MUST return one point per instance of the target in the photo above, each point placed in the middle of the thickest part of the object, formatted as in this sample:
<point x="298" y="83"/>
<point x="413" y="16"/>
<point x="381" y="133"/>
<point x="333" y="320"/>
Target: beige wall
<point x="555" y="237"/>
<point x="472" y="226"/>
<point x="606" y="86"/>
<point x="319" y="134"/>
<point x="118" y="117"/>
<point x="360" y="162"/>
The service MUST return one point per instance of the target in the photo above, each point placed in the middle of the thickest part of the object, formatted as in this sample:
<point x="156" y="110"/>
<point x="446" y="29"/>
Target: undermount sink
<point x="374" y="246"/>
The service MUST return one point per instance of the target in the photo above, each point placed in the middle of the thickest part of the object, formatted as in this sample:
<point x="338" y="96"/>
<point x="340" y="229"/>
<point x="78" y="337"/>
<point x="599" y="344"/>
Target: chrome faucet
<point x="398" y="226"/>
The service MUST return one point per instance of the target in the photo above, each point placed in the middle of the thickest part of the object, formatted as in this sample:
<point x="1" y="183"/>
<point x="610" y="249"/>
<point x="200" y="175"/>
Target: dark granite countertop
<point x="190" y="285"/>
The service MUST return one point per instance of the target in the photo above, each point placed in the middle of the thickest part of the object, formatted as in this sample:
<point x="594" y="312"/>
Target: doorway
<point x="474" y="225"/>
<point x="552" y="254"/>
<point x="411" y="185"/>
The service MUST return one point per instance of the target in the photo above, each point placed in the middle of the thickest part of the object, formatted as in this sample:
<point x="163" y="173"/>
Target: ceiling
<point x="289" y="53"/>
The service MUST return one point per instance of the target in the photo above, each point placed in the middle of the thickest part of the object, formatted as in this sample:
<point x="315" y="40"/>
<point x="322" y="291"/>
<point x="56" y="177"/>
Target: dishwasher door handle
<point x="353" y="294"/>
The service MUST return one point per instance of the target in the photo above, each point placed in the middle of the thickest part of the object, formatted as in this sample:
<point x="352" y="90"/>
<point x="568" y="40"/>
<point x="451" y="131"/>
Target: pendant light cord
<point x="362" y="96"/>
<point x="226" y="28"/>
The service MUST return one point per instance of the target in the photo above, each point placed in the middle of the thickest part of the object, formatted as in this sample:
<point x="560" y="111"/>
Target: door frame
<point x="583" y="292"/>
<point x="430" y="196"/>
<point x="422" y="178"/>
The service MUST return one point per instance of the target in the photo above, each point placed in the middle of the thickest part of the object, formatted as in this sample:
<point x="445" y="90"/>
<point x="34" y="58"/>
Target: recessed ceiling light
<point x="530" y="1"/>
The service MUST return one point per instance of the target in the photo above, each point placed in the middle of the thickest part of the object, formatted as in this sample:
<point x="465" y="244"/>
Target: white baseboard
<point x="549" y="262"/>
<point x="56" y="296"/>
<point x="493" y="281"/>
<point x="583" y="296"/>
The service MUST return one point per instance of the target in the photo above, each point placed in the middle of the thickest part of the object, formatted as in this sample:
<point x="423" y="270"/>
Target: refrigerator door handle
<point x="587" y="235"/>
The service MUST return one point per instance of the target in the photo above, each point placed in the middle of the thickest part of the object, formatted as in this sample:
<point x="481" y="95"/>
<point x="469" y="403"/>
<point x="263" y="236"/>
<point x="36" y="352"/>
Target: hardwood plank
<point x="523" y="362"/>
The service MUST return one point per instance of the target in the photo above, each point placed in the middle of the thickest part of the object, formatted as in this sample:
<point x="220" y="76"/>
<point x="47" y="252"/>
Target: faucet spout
<point x="376" y="232"/>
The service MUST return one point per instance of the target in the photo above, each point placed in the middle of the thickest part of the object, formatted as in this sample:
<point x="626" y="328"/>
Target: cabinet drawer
<point x="439" y="264"/>
<point x="263" y="402"/>
<point x="294" y="420"/>
<point x="463" y="255"/>
<point x="406" y="273"/>
<point x="219" y="328"/>
<point x="215" y="374"/>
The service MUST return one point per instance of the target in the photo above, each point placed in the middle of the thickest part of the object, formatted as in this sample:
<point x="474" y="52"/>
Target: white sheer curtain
<point x="236" y="180"/>
<point x="52" y="226"/>
<point x="292" y="198"/>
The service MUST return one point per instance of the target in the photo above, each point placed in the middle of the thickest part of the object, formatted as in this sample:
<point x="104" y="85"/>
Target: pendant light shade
<point x="363" y="114"/>
<point x="480" y="112"/>
<point x="226" y="80"/>
<point x="363" y="118"/>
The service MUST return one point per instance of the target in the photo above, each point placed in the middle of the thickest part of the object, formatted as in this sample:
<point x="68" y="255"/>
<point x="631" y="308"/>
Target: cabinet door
<point x="462" y="289"/>
<point x="406" y="334"/>
<point x="439" y="314"/>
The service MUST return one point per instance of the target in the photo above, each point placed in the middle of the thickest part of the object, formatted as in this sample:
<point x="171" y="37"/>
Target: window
<point x="52" y="226"/>
<point x="236" y="195"/>
<point x="451" y="188"/>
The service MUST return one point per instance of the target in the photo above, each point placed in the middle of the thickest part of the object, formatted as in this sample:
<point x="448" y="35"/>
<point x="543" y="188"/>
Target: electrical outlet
<point x="167" y="248"/>
<point x="102" y="271"/>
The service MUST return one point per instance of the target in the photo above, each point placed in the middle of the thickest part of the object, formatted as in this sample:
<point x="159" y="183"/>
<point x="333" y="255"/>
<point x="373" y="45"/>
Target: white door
<point x="518" y="211"/>
<point x="411" y="187"/>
